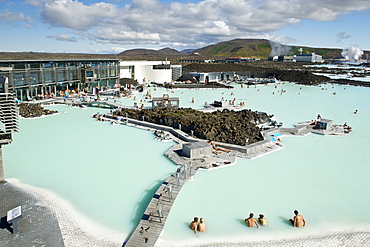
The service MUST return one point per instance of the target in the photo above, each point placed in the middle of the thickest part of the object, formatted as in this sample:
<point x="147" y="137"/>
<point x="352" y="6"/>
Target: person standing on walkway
<point x="250" y="221"/>
<point x="298" y="220"/>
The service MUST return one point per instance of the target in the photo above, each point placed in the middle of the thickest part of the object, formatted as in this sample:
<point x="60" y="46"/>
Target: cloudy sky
<point x="112" y="26"/>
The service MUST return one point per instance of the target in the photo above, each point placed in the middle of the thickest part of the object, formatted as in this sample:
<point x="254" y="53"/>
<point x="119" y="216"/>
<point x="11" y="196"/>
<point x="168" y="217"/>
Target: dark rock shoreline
<point x="299" y="73"/>
<point x="225" y="126"/>
<point x="34" y="110"/>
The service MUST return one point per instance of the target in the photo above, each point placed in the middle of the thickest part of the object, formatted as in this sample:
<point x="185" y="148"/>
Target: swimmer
<point x="262" y="220"/>
<point x="201" y="225"/>
<point x="194" y="225"/>
<point x="192" y="100"/>
<point x="250" y="221"/>
<point x="356" y="112"/>
<point x="298" y="220"/>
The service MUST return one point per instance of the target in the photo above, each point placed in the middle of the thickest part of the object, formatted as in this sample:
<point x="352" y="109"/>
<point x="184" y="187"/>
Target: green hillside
<point x="260" y="48"/>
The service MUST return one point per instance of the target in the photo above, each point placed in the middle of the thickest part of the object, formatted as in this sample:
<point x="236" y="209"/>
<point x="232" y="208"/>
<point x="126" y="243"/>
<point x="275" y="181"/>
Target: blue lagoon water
<point x="101" y="168"/>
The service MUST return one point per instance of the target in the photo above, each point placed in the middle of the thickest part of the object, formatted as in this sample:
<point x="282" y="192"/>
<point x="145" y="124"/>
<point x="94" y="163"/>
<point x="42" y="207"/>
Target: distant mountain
<point x="263" y="48"/>
<point x="260" y="48"/>
<point x="187" y="51"/>
<point x="254" y="48"/>
<point x="149" y="52"/>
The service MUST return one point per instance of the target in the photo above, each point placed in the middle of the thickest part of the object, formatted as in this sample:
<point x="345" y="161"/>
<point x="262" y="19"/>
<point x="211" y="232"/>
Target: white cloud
<point x="63" y="37"/>
<point x="37" y="3"/>
<point x="75" y="15"/>
<point x="12" y="18"/>
<point x="208" y="21"/>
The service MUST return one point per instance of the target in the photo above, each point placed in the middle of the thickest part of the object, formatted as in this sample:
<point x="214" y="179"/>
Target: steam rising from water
<point x="352" y="53"/>
<point x="279" y="49"/>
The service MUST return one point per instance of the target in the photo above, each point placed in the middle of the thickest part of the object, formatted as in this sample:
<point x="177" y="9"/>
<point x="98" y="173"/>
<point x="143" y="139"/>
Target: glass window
<point x="61" y="75"/>
<point x="89" y="73"/>
<point x="96" y="74"/>
<point x="34" y="65"/>
<point x="35" y="78"/>
<point x="19" y="66"/>
<point x="104" y="73"/>
<point x="73" y="75"/>
<point x="48" y="75"/>
<point x="19" y="79"/>
<point x="112" y="72"/>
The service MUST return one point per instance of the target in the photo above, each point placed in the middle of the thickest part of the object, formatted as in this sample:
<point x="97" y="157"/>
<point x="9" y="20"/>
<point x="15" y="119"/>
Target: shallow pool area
<point x="108" y="173"/>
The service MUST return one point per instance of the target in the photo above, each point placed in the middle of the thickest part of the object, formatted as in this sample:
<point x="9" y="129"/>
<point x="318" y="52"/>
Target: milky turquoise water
<point x="101" y="168"/>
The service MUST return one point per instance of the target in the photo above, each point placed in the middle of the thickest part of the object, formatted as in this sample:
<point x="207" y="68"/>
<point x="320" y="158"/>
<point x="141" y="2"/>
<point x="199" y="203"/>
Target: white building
<point x="216" y="76"/>
<point x="313" y="58"/>
<point x="146" y="71"/>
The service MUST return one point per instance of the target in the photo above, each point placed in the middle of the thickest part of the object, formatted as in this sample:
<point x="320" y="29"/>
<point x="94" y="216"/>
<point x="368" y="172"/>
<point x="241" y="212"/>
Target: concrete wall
<point x="196" y="153"/>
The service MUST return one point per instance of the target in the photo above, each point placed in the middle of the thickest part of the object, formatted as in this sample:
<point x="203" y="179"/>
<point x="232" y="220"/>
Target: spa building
<point x="29" y="78"/>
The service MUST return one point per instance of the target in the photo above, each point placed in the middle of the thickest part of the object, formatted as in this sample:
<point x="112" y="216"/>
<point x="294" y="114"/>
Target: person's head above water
<point x="251" y="215"/>
<point x="296" y="212"/>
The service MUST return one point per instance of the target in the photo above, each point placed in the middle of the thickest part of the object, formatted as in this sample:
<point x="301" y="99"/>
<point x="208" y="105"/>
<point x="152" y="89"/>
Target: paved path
<point x="43" y="223"/>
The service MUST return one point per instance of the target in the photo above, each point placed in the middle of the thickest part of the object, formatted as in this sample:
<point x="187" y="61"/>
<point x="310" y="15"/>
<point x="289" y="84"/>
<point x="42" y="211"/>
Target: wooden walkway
<point x="154" y="218"/>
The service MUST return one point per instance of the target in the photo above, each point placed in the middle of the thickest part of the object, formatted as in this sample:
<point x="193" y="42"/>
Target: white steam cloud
<point x="352" y="53"/>
<point x="278" y="49"/>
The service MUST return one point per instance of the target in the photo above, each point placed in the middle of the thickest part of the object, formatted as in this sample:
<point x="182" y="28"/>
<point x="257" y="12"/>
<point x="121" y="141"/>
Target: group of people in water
<point x="198" y="225"/>
<point x="297" y="221"/>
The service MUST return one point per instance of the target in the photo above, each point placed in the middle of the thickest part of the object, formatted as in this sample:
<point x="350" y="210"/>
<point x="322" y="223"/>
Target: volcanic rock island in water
<point x="225" y="126"/>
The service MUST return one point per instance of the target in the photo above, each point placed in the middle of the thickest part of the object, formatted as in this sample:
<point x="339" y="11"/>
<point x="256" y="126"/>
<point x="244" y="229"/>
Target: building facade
<point x="207" y="77"/>
<point x="146" y="71"/>
<point x="30" y="78"/>
<point x="313" y="58"/>
<point x="176" y="72"/>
